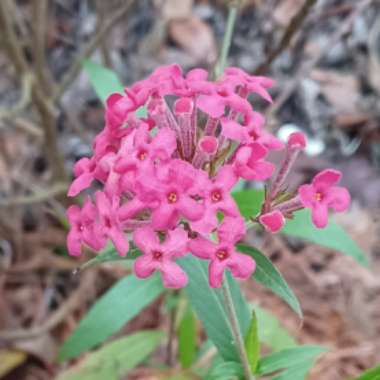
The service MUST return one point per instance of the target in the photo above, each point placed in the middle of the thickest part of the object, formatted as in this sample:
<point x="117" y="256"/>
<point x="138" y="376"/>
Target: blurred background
<point x="325" y="58"/>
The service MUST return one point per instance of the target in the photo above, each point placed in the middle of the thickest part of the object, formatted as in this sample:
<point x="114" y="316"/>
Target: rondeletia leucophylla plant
<point x="167" y="178"/>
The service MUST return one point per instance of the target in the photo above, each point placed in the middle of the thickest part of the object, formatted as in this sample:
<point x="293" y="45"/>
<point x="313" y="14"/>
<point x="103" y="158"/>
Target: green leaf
<point x="113" y="310"/>
<point x="333" y="236"/>
<point x="116" y="359"/>
<point x="371" y="374"/>
<point x="288" y="358"/>
<point x="187" y="338"/>
<point x="267" y="275"/>
<point x="104" y="81"/>
<point x="271" y="332"/>
<point x="297" y="372"/>
<point x="226" y="371"/>
<point x="109" y="254"/>
<point x="252" y="344"/>
<point x="249" y="201"/>
<point x="208" y="304"/>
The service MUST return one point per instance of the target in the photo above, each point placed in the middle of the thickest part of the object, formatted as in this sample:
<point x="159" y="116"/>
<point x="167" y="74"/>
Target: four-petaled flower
<point x="322" y="194"/>
<point x="223" y="254"/>
<point x="160" y="257"/>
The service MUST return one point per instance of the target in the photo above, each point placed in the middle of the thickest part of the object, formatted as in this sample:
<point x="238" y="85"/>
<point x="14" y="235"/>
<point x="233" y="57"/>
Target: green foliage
<point x="294" y="362"/>
<point x="371" y="374"/>
<point x="187" y="338"/>
<point x="106" y="82"/>
<point x="109" y="254"/>
<point x="225" y="371"/>
<point x="271" y="332"/>
<point x="111" y="312"/>
<point x="208" y="304"/>
<point x="267" y="275"/>
<point x="114" y="360"/>
<point x="333" y="236"/>
<point x="252" y="344"/>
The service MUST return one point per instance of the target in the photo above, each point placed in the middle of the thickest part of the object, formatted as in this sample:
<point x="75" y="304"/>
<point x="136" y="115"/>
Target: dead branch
<point x="39" y="196"/>
<point x="104" y="28"/>
<point x="307" y="67"/>
<point x="41" y="101"/>
<point x="75" y="300"/>
<point x="294" y="25"/>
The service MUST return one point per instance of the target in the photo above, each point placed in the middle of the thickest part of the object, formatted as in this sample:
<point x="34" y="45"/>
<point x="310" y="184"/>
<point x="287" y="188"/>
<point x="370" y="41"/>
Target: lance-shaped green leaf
<point x="116" y="359"/>
<point x="371" y="374"/>
<point x="296" y="357"/>
<point x="113" y="310"/>
<point x="333" y="236"/>
<point x="252" y="344"/>
<point x="208" y="304"/>
<point x="187" y="338"/>
<point x="104" y="81"/>
<point x="267" y="275"/>
<point x="271" y="332"/>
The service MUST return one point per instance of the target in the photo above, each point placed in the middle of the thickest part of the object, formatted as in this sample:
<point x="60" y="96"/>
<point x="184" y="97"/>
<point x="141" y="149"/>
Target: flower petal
<point x="144" y="266"/>
<point x="146" y="239"/>
<point x="173" y="275"/>
<point x="215" y="273"/>
<point x="338" y="198"/>
<point x="241" y="266"/>
<point x="202" y="247"/>
<point x="319" y="215"/>
<point x="175" y="244"/>
<point x="326" y="178"/>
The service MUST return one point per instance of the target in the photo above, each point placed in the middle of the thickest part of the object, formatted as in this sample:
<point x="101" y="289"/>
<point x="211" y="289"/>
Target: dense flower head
<point x="168" y="177"/>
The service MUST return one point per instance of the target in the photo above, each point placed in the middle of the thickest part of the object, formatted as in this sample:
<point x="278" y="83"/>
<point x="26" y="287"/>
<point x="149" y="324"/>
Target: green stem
<point x="234" y="323"/>
<point x="221" y="63"/>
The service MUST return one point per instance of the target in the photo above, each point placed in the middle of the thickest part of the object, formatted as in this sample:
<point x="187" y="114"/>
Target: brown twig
<point x="86" y="52"/>
<point x="41" y="100"/>
<point x="74" y="301"/>
<point x="309" y="65"/>
<point x="40" y="196"/>
<point x="40" y="16"/>
<point x="294" y="25"/>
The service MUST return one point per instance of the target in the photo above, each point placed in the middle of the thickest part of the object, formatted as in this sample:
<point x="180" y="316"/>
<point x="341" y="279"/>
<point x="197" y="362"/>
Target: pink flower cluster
<point x="166" y="179"/>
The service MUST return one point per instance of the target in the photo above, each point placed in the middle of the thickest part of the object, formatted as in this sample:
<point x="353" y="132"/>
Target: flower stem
<point x="221" y="63"/>
<point x="234" y="323"/>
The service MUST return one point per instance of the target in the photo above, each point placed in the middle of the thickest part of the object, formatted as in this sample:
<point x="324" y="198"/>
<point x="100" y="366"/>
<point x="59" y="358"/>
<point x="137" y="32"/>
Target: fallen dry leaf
<point x="194" y="36"/>
<point x="174" y="9"/>
<point x="286" y="10"/>
<point x="341" y="90"/>
<point x="9" y="360"/>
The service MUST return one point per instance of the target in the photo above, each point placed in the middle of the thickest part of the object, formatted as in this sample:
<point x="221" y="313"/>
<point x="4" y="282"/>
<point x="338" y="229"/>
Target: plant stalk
<point x="222" y="61"/>
<point x="234" y="323"/>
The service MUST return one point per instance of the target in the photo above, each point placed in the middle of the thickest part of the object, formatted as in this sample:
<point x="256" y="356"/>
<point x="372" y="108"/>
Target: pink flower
<point x="222" y="255"/>
<point x="84" y="172"/>
<point x="111" y="226"/>
<point x="322" y="194"/>
<point x="84" y="228"/>
<point x="217" y="197"/>
<point x="272" y="221"/>
<point x="175" y="192"/>
<point x="249" y="163"/>
<point x="160" y="256"/>
<point x="146" y="150"/>
<point x="248" y="83"/>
